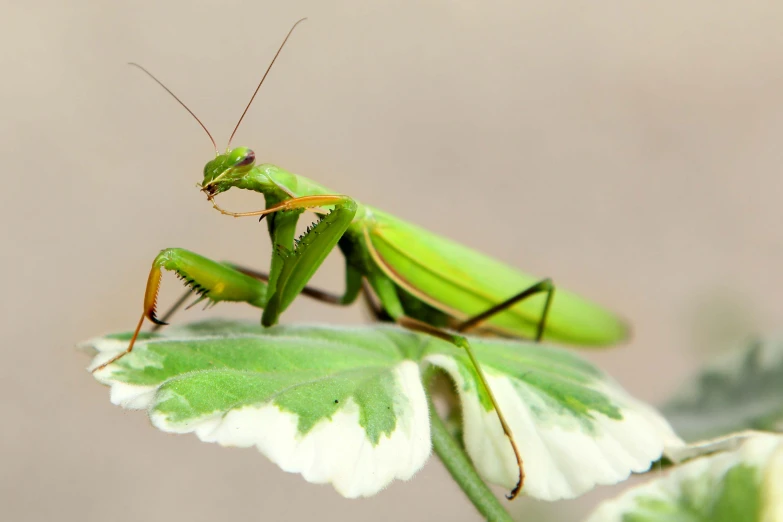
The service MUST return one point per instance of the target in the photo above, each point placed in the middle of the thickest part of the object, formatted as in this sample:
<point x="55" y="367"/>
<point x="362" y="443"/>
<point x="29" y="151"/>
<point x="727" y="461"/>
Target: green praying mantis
<point x="419" y="280"/>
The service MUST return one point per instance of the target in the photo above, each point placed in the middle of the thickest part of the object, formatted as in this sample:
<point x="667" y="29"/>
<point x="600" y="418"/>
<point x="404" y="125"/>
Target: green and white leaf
<point x="347" y="406"/>
<point x="736" y="391"/>
<point x="741" y="485"/>
<point x="338" y="407"/>
<point x="574" y="427"/>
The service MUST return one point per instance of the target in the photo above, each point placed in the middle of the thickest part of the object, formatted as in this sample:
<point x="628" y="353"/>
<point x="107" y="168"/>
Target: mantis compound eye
<point x="248" y="158"/>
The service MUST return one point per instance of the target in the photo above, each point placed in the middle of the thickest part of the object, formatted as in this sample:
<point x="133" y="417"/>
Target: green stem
<point x="461" y="468"/>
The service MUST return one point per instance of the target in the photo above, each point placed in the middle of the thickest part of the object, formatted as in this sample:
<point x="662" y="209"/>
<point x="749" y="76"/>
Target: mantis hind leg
<point x="544" y="286"/>
<point x="386" y="291"/>
<point x="462" y="342"/>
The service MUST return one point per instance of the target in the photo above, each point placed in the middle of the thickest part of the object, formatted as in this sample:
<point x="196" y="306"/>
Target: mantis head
<point x="227" y="169"/>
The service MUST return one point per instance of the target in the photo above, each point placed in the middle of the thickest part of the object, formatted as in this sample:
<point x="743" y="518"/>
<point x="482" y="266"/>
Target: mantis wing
<point x="464" y="283"/>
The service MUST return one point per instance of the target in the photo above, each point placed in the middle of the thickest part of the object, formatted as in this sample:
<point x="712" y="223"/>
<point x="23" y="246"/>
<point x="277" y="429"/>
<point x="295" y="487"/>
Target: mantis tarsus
<point x="420" y="280"/>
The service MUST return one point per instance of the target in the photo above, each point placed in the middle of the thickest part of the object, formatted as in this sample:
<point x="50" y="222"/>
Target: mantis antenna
<point x="214" y="144"/>
<point x="180" y="102"/>
<point x="262" y="80"/>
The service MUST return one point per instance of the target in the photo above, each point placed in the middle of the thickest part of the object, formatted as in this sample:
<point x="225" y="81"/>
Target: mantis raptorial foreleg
<point x="291" y="270"/>
<point x="209" y="279"/>
<point x="304" y="202"/>
<point x="352" y="286"/>
<point x="352" y="289"/>
<point x="298" y="264"/>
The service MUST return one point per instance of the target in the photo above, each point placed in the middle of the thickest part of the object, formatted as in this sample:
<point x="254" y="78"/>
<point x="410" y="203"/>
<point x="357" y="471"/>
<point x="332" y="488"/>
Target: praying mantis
<point x="420" y="280"/>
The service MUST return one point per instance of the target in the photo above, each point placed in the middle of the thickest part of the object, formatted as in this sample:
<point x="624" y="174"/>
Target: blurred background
<point x="630" y="151"/>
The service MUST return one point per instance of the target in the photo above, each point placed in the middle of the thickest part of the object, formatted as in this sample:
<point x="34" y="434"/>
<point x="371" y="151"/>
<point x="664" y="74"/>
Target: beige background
<point x="632" y="152"/>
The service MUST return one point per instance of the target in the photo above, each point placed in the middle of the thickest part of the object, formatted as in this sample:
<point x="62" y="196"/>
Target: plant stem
<point x="461" y="468"/>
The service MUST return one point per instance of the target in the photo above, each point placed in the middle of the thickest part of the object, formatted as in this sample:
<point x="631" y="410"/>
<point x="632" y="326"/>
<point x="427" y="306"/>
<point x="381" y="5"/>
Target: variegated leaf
<point x="740" y="485"/>
<point x="347" y="406"/>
